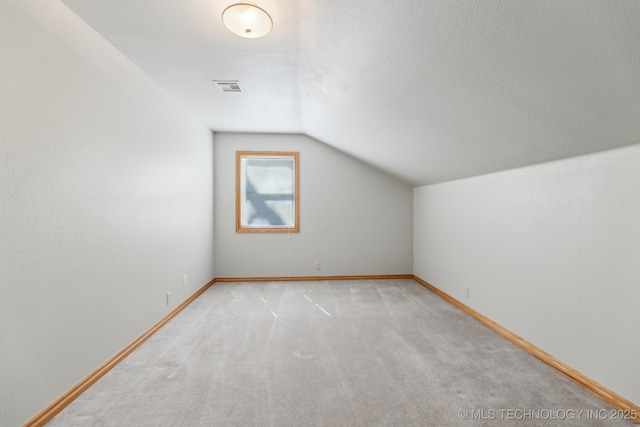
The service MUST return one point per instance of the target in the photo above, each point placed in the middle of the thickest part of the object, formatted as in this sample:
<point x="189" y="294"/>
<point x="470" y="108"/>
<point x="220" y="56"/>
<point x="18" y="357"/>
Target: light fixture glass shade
<point x="247" y="20"/>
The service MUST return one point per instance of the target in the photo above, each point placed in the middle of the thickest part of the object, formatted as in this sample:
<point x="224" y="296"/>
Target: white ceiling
<point x="428" y="90"/>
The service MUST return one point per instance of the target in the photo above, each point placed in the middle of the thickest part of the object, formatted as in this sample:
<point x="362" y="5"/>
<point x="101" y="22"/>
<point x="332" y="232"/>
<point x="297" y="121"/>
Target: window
<point x="267" y="194"/>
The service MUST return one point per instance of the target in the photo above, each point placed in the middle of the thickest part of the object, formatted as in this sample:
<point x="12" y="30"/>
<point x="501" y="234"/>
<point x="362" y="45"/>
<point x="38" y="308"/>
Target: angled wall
<point x="354" y="219"/>
<point x="548" y="251"/>
<point x="106" y="200"/>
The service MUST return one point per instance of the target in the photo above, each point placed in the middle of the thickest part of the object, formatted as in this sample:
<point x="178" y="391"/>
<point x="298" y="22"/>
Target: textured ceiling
<point x="427" y="90"/>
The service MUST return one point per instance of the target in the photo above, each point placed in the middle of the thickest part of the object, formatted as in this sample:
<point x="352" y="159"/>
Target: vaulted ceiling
<point x="428" y="90"/>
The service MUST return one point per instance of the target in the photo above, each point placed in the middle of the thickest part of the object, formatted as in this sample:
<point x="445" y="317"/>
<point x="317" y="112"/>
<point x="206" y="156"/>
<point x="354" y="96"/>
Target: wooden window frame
<point x="295" y="156"/>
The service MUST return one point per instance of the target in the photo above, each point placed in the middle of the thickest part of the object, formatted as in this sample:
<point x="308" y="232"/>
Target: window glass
<point x="266" y="191"/>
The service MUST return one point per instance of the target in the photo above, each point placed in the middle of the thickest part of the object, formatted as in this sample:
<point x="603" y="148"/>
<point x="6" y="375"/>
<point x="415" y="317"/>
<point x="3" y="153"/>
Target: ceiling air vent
<point x="229" y="85"/>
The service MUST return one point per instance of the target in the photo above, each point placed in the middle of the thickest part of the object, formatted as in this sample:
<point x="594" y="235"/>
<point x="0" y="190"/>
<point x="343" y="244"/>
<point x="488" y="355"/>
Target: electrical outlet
<point x="168" y="298"/>
<point x="317" y="265"/>
<point x="184" y="279"/>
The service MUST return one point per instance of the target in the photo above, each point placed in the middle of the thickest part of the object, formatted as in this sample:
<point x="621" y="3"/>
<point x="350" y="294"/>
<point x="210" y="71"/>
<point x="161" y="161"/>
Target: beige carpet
<point x="343" y="353"/>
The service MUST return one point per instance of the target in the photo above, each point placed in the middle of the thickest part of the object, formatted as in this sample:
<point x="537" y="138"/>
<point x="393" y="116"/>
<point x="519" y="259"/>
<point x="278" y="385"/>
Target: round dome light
<point x="247" y="20"/>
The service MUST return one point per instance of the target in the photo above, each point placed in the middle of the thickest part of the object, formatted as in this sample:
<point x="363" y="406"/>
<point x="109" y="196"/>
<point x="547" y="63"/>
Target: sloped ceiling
<point x="428" y="90"/>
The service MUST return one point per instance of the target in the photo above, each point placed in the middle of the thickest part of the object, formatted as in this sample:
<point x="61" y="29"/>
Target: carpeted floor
<point x="337" y="353"/>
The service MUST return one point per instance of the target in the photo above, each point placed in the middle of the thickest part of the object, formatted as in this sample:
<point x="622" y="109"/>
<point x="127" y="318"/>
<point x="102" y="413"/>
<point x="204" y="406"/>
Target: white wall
<point x="354" y="219"/>
<point x="106" y="200"/>
<point x="548" y="251"/>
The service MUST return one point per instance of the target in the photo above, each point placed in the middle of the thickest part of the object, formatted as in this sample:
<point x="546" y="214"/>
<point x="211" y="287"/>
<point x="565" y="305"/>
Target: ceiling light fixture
<point x="247" y="20"/>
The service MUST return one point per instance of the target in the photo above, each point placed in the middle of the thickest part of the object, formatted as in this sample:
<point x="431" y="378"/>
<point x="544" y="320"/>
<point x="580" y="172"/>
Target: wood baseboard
<point x="70" y="395"/>
<point x="63" y="401"/>
<point x="592" y="386"/>
<point x="313" y="278"/>
<point x="595" y="388"/>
